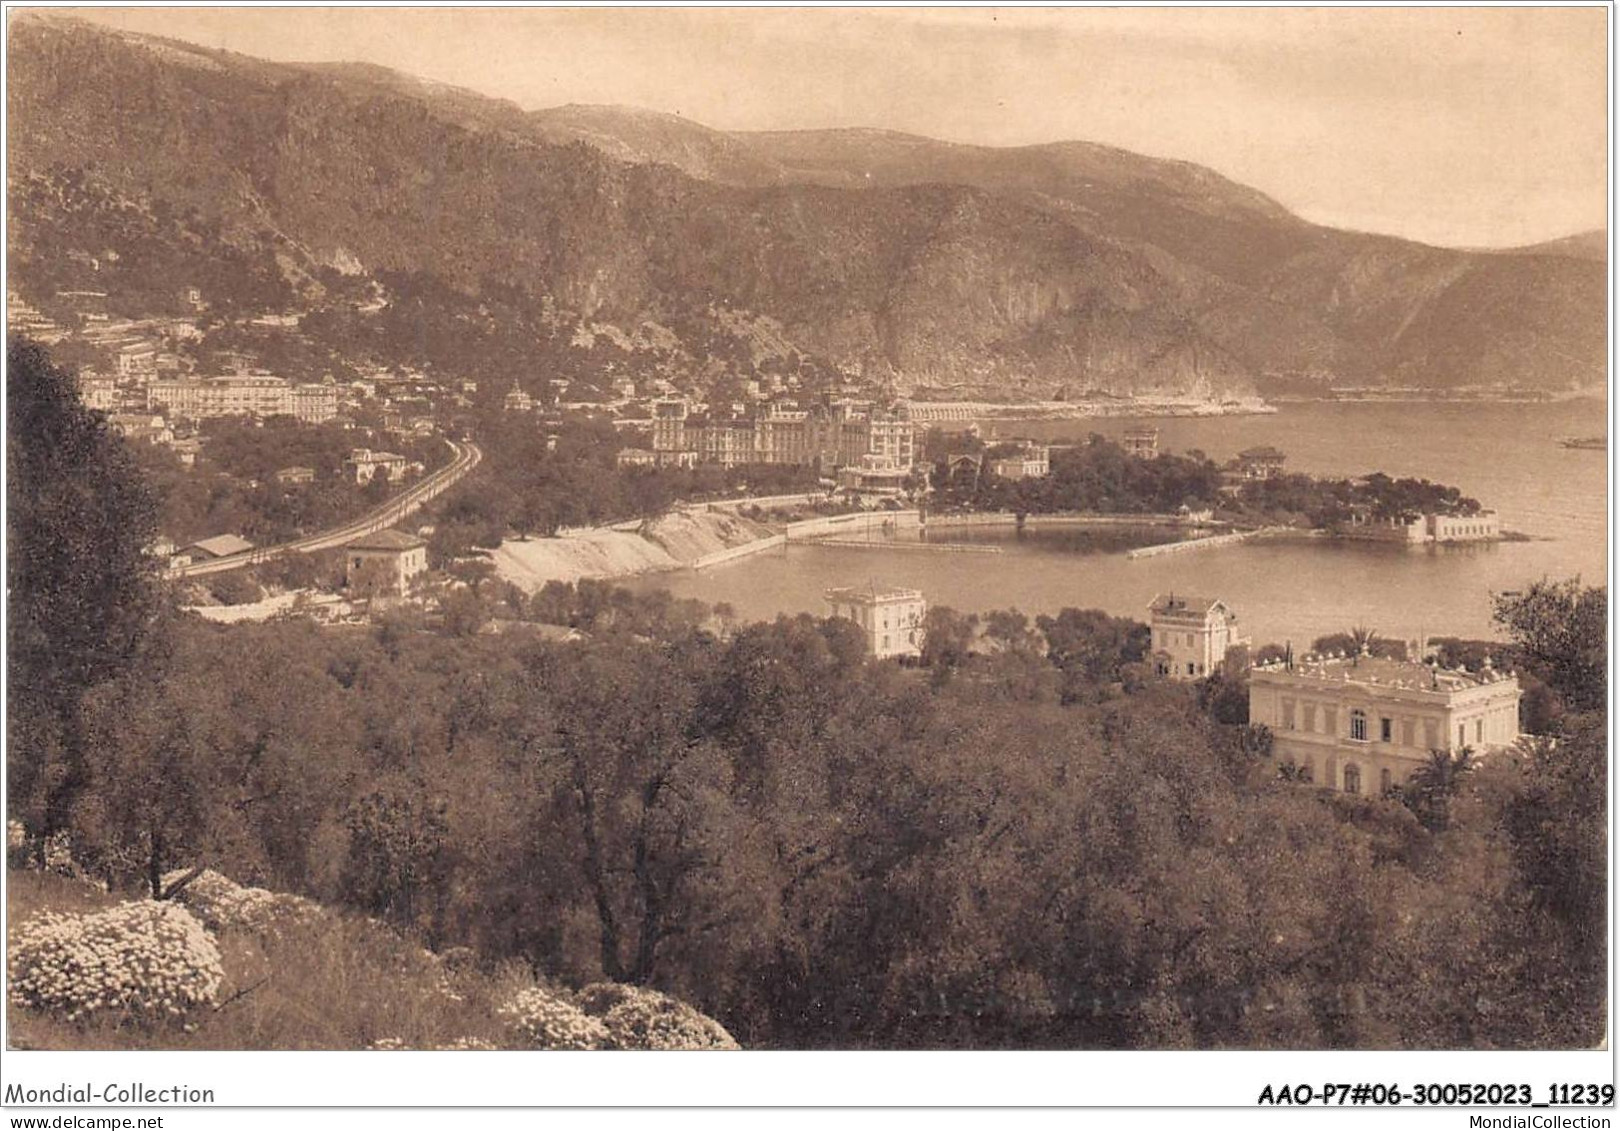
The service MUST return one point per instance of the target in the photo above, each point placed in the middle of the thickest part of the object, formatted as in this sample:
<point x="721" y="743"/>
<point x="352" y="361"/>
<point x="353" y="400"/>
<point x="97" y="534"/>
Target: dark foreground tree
<point x="81" y="585"/>
<point x="1561" y="627"/>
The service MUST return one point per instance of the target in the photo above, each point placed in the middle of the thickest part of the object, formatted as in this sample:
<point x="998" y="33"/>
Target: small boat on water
<point x="1588" y="444"/>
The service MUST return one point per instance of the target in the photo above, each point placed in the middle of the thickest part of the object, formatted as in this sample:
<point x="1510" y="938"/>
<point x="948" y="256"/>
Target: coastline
<point x="924" y="412"/>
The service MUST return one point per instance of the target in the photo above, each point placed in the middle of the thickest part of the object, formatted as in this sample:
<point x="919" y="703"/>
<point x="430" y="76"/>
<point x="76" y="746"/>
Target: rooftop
<point x="1181" y="603"/>
<point x="1376" y="670"/>
<point x="1266" y="452"/>
<point x="396" y="540"/>
<point x="872" y="594"/>
<point x="222" y="545"/>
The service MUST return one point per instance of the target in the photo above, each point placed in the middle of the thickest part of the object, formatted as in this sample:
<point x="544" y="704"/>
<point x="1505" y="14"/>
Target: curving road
<point x="466" y="458"/>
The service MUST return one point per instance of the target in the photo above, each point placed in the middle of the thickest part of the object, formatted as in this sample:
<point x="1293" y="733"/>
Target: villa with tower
<point x="1191" y="635"/>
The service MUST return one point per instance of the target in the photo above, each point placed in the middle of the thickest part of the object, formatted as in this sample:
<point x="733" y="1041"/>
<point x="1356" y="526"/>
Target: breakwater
<point x="1077" y="518"/>
<point x="1212" y="542"/>
<point x="896" y="544"/>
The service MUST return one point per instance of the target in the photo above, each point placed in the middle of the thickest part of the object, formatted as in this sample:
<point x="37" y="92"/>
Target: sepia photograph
<point x="807" y="529"/>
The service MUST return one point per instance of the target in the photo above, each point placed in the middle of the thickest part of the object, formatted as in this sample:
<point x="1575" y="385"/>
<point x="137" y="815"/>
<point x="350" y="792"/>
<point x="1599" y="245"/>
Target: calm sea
<point x="1507" y="456"/>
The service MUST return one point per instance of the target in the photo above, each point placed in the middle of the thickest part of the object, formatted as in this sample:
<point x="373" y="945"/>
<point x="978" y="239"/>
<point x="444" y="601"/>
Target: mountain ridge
<point x="1025" y="272"/>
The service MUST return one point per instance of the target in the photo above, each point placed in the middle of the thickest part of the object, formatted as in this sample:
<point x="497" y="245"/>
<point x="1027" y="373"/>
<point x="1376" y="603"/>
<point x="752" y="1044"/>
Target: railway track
<point x="467" y="457"/>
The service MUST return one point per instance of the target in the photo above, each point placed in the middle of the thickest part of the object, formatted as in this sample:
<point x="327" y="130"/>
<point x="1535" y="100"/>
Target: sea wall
<point x="720" y="557"/>
<point x="860" y="523"/>
<point x="999" y="518"/>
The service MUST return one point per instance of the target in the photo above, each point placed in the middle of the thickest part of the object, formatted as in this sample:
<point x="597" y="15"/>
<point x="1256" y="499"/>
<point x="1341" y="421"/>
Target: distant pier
<point x="1210" y="543"/>
<point x="893" y="544"/>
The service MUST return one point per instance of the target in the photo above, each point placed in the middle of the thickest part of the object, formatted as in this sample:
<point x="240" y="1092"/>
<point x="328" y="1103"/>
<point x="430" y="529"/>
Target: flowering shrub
<point x="639" y="1018"/>
<point x="145" y="960"/>
<point x="467" y="1044"/>
<point x="224" y="905"/>
<point x="16" y="844"/>
<point x="59" y="854"/>
<point x="544" y="1021"/>
<point x="460" y="1044"/>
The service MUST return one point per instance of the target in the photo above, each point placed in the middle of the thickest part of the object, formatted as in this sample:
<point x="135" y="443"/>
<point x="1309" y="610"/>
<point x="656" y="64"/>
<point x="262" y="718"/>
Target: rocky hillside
<point x="957" y="270"/>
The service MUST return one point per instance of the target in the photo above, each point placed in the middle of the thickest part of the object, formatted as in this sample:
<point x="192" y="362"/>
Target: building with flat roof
<point x="890" y="619"/>
<point x="1191" y="635"/>
<point x="1362" y="724"/>
<point x="1420" y="529"/>
<point x="244" y="395"/>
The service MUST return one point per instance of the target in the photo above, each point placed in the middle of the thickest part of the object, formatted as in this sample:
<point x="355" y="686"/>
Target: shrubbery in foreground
<point x="142" y="962"/>
<point x="242" y="967"/>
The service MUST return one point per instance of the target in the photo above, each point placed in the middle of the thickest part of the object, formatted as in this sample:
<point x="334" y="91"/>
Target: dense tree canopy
<point x="1046" y="849"/>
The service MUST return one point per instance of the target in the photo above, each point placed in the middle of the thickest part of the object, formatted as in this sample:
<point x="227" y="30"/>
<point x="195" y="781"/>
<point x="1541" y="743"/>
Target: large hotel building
<point x="839" y="433"/>
<point x="256" y="395"/>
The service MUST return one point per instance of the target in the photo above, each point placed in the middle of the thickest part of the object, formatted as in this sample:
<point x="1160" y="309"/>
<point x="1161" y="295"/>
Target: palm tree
<point x="1362" y="639"/>
<point x="1431" y="788"/>
<point x="1293" y="772"/>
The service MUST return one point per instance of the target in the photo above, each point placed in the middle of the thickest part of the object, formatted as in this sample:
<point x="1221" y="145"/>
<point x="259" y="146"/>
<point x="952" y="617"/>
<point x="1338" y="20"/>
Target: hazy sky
<point x="1459" y="126"/>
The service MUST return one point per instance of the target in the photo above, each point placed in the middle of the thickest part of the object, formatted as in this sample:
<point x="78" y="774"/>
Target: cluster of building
<point x="1356" y="723"/>
<point x="1250" y="465"/>
<point x="867" y="447"/>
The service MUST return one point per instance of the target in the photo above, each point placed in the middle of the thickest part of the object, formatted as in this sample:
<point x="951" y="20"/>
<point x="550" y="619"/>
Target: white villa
<point x="1191" y="635"/>
<point x="394" y="556"/>
<point x="890" y="619"/>
<point x="1362" y="724"/>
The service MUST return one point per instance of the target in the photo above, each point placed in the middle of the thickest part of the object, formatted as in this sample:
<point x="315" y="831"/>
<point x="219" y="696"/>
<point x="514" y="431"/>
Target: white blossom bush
<point x="224" y="905"/>
<point x="542" y="1020"/>
<point x="468" y="1044"/>
<point x="146" y="961"/>
<point x="59" y="856"/>
<point x="460" y="1044"/>
<point x="639" y="1018"/>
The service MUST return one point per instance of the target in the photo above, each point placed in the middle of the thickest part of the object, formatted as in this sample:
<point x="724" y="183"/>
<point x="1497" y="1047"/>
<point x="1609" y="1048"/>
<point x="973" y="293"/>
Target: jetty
<point x="895" y="544"/>
<point x="1212" y="542"/>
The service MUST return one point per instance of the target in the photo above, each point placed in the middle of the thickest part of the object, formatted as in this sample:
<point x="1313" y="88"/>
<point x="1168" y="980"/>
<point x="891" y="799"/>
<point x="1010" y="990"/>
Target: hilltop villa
<point x="890" y="619"/>
<point x="1191" y="635"/>
<point x="1362" y="724"/>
